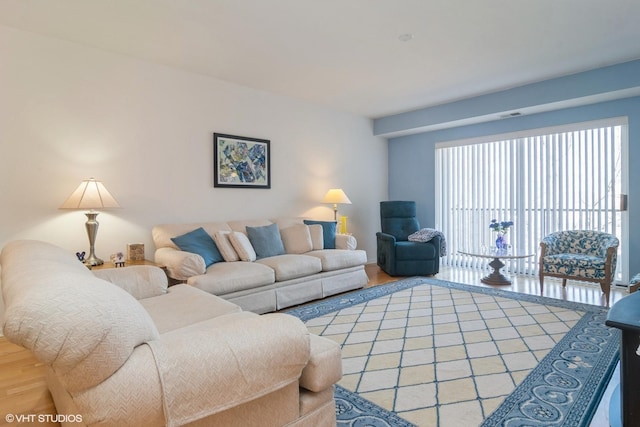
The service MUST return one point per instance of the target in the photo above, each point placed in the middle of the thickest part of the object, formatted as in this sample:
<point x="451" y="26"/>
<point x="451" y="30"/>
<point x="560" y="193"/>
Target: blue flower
<point x="500" y="226"/>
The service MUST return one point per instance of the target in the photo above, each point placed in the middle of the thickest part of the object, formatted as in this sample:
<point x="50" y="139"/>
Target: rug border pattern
<point x="350" y="299"/>
<point x="365" y="413"/>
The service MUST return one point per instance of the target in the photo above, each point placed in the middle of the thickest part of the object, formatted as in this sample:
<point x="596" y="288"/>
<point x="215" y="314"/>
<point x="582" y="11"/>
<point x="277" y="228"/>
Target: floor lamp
<point x="91" y="194"/>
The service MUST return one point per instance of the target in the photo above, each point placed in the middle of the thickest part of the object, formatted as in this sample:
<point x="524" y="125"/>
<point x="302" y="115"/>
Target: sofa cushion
<point x="286" y="221"/>
<point x="290" y="266"/>
<point x="296" y="239"/>
<point x="577" y="265"/>
<point x="266" y="240"/>
<point x="336" y="259"/>
<point x="242" y="225"/>
<point x="218" y="321"/>
<point x="163" y="233"/>
<point x="416" y="250"/>
<point x="226" y="277"/>
<point x="243" y="361"/>
<point x="224" y="245"/>
<point x="199" y="242"/>
<point x="184" y="305"/>
<point x="242" y="245"/>
<point x="328" y="232"/>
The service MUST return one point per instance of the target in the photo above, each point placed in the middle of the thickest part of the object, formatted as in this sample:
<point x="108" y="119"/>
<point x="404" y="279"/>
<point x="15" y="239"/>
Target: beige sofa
<point x="306" y="271"/>
<point x="122" y="349"/>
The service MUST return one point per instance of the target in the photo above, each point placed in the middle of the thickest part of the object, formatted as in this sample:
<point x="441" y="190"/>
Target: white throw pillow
<point x="296" y="239"/>
<point x="317" y="236"/>
<point x="225" y="247"/>
<point x="242" y="245"/>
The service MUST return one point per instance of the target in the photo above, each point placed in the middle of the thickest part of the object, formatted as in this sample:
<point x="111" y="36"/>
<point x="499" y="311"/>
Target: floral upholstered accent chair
<point x="579" y="255"/>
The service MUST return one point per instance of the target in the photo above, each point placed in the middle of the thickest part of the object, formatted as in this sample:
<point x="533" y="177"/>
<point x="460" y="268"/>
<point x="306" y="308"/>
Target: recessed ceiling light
<point x="405" y="37"/>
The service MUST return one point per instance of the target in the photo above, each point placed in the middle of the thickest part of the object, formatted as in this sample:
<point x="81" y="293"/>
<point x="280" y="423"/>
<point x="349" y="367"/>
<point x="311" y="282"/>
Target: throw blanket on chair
<point x="426" y="234"/>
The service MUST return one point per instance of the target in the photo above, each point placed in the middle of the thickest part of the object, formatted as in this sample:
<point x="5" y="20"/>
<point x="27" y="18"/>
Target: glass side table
<point x="497" y="255"/>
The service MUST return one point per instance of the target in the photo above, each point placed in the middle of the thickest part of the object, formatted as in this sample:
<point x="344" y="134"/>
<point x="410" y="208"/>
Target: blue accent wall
<point x="412" y="157"/>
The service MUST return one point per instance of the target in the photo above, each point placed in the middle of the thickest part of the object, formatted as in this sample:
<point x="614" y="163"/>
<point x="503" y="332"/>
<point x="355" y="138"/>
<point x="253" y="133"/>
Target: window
<point x="546" y="180"/>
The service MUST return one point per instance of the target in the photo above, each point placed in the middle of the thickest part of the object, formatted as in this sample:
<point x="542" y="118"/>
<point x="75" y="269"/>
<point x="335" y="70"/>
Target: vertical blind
<point x="549" y="180"/>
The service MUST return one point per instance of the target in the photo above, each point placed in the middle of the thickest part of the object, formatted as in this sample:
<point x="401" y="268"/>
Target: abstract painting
<point x="241" y="162"/>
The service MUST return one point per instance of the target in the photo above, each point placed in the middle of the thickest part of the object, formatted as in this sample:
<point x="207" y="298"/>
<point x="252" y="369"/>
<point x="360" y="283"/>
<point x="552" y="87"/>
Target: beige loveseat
<point x="122" y="349"/>
<point x="304" y="272"/>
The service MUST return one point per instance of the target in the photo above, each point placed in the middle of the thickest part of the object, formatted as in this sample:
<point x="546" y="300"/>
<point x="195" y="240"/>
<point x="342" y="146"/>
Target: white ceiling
<point x="346" y="54"/>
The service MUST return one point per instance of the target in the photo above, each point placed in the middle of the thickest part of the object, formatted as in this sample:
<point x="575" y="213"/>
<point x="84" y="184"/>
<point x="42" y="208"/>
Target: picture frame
<point x="241" y="162"/>
<point x="135" y="252"/>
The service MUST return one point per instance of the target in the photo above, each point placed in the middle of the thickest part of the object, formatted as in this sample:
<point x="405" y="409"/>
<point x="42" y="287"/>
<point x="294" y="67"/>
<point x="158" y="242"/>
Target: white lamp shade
<point x="336" y="196"/>
<point x="90" y="194"/>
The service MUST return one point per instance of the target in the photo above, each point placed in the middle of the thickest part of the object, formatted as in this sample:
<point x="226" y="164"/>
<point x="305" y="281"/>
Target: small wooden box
<point x="135" y="252"/>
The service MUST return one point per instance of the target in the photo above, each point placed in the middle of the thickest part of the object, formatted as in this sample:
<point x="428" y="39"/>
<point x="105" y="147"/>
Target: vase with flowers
<point x="500" y="227"/>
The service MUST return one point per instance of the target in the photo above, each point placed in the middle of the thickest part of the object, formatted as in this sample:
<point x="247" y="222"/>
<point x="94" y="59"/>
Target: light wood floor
<point x="23" y="389"/>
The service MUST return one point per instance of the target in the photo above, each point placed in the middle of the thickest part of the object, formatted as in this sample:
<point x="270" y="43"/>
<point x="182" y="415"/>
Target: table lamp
<point x="336" y="196"/>
<point x="91" y="194"/>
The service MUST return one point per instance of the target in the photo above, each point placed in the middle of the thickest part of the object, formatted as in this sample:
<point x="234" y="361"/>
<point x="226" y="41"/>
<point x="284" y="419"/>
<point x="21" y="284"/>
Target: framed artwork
<point x="241" y="162"/>
<point x="135" y="251"/>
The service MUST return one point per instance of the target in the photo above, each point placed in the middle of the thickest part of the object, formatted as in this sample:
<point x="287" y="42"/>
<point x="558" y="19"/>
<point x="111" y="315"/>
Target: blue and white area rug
<point x="428" y="352"/>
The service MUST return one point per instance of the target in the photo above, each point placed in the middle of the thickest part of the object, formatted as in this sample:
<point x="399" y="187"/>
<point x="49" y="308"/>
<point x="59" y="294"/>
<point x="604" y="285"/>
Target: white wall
<point x="69" y="112"/>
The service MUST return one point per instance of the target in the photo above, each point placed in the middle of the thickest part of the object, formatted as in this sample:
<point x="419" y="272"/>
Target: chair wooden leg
<point x="541" y="284"/>
<point x="564" y="283"/>
<point x="606" y="290"/>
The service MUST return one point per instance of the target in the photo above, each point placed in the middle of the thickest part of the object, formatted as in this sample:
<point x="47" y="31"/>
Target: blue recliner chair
<point x="396" y="255"/>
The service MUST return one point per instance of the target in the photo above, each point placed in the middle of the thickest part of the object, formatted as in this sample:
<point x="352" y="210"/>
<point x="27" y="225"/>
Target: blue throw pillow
<point x="199" y="242"/>
<point x="328" y="232"/>
<point x="266" y="240"/>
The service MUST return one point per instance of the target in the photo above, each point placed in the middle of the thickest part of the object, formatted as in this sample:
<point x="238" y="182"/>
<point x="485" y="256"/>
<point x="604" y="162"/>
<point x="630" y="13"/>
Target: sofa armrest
<point x="346" y="241"/>
<point x="607" y="245"/>
<point x="543" y="253"/>
<point x="209" y="369"/>
<point x="141" y="281"/>
<point x="549" y="245"/>
<point x="325" y="365"/>
<point x="180" y="265"/>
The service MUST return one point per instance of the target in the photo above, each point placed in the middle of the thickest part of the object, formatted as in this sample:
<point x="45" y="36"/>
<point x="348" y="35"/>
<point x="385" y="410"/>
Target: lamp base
<point x="93" y="261"/>
<point x="92" y="232"/>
